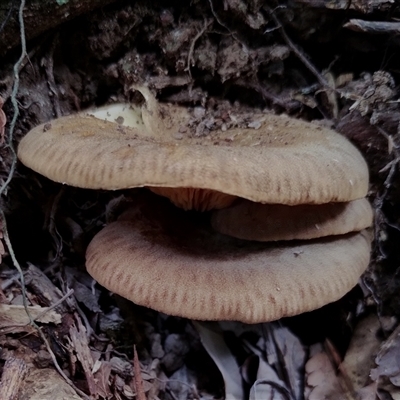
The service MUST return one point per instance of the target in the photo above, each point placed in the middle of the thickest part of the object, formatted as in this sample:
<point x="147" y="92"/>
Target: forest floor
<point x="333" y="62"/>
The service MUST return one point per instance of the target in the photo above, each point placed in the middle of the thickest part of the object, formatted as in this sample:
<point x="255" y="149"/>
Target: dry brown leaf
<point x="157" y="377"/>
<point x="364" y="346"/>
<point x="46" y="384"/>
<point x="102" y="377"/>
<point x="387" y="359"/>
<point x="321" y="378"/>
<point x="387" y="372"/>
<point x="14" y="317"/>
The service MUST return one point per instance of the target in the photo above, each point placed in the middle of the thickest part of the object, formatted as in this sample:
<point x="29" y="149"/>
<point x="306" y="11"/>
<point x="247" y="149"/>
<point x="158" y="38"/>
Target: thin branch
<point x="298" y="52"/>
<point x="54" y="305"/>
<point x="14" y="102"/>
<point x="7" y="18"/>
<point x="6" y="238"/>
<point x="191" y="49"/>
<point x="223" y="25"/>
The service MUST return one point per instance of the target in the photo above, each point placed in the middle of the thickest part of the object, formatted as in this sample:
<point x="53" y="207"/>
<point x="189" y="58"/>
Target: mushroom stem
<point x="212" y="339"/>
<point x="159" y="119"/>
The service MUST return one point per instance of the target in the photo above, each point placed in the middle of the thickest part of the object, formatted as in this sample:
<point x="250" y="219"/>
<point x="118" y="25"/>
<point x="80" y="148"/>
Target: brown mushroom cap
<point x="285" y="161"/>
<point x="268" y="222"/>
<point x="164" y="259"/>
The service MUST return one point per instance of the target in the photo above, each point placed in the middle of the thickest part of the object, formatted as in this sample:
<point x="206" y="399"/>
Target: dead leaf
<point x="363" y="348"/>
<point x="321" y="377"/>
<point x="387" y="372"/>
<point x="268" y="385"/>
<point x="290" y="355"/>
<point x="14" y="317"/>
<point x="212" y="338"/>
<point x="102" y="379"/>
<point x="46" y="384"/>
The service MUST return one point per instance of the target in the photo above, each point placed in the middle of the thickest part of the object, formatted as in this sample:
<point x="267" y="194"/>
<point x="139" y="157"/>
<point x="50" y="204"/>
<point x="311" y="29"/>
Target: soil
<point x="336" y="63"/>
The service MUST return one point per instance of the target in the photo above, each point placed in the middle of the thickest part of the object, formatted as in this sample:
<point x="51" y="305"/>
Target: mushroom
<point x="285" y="161"/>
<point x="161" y="257"/>
<point x="309" y="179"/>
<point x="268" y="222"/>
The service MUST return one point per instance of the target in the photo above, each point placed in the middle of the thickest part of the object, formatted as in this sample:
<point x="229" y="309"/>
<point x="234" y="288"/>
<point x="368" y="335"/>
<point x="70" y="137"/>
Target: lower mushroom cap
<point x="267" y="222"/>
<point x="167" y="260"/>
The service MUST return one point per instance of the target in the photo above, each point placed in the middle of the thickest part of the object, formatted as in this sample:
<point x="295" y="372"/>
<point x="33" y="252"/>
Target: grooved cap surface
<point x="267" y="222"/>
<point x="285" y="161"/>
<point x="167" y="260"/>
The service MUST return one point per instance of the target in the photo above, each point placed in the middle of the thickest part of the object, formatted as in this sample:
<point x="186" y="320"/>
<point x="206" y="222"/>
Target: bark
<point x="12" y="378"/>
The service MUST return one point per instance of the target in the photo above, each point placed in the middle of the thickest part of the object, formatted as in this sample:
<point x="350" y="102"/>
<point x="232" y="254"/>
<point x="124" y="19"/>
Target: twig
<point x="298" y="52"/>
<point x="58" y="302"/>
<point x="191" y="49"/>
<point x="14" y="101"/>
<point x="49" y="70"/>
<point x="6" y="238"/>
<point x="7" y="18"/>
<point x="374" y="27"/>
<point x="223" y="25"/>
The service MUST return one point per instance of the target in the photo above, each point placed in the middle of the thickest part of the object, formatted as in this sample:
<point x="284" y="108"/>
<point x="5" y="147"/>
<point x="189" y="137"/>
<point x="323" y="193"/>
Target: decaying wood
<point x="43" y="288"/>
<point x="80" y="345"/>
<point x="364" y="6"/>
<point x="46" y="384"/>
<point x="12" y="378"/>
<point x="376" y="27"/>
<point x="40" y="16"/>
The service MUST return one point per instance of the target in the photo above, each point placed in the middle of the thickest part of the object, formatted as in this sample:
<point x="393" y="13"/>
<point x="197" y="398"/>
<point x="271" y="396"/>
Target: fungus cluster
<point x="286" y="232"/>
